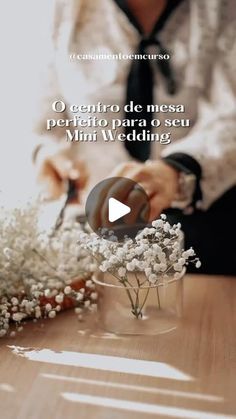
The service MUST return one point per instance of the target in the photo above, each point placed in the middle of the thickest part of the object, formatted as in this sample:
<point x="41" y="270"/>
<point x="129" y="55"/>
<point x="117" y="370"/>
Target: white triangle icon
<point x="116" y="210"/>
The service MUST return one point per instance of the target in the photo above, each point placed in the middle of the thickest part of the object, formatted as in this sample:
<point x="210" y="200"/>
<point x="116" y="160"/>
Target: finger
<point x="73" y="191"/>
<point x="125" y="169"/>
<point x="136" y="200"/>
<point x="157" y="205"/>
<point x="99" y="213"/>
<point x="145" y="212"/>
<point x="64" y="167"/>
<point x="149" y="188"/>
<point x="119" y="190"/>
<point x="96" y="206"/>
<point x="83" y="173"/>
<point x="50" y="184"/>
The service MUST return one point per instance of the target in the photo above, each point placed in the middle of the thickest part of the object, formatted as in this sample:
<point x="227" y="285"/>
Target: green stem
<point x="126" y="289"/>
<point x="158" y="298"/>
<point x="129" y="296"/>
<point x="144" y="301"/>
<point x="137" y="279"/>
<point x="144" y="282"/>
<point x="43" y="258"/>
<point x="137" y="293"/>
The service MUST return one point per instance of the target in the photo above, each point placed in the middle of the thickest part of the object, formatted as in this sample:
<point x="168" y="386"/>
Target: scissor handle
<point x="72" y="190"/>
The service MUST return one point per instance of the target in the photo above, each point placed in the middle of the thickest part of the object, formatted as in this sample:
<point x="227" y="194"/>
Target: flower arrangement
<point x="42" y="273"/>
<point x="155" y="256"/>
<point x="39" y="273"/>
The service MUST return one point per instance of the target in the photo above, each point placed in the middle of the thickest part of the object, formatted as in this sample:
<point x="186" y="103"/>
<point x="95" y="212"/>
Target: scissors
<point x="71" y="193"/>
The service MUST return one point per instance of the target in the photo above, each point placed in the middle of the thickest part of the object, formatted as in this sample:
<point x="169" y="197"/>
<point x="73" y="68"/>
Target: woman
<point x="196" y="173"/>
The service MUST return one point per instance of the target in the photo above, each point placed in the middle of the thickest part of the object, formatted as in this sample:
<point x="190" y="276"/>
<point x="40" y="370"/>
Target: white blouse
<point x="201" y="39"/>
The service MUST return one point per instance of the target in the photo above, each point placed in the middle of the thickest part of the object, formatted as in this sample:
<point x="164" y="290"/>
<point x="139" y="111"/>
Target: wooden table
<point x="67" y="372"/>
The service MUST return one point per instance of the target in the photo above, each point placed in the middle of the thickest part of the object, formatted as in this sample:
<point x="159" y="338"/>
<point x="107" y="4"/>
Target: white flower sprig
<point x="156" y="252"/>
<point x="37" y="270"/>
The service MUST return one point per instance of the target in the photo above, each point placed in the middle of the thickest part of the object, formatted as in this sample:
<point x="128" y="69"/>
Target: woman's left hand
<point x="158" y="179"/>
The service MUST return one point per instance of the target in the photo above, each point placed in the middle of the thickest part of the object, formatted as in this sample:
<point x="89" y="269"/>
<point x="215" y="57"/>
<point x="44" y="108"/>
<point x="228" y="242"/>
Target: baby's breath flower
<point x="78" y="310"/>
<point x="48" y="307"/>
<point x="177" y="275"/>
<point x="14" y="301"/>
<point x="59" y="298"/>
<point x="67" y="290"/>
<point x="153" y="278"/>
<point x="89" y="283"/>
<point x="130" y="266"/>
<point x="93" y="307"/>
<point x="47" y="293"/>
<point x="38" y="312"/>
<point x="17" y="317"/>
<point x="157" y="223"/>
<point x="188" y="253"/>
<point x="178" y="267"/>
<point x="52" y="314"/>
<point x="148" y="272"/>
<point x="79" y="296"/>
<point x="122" y="272"/>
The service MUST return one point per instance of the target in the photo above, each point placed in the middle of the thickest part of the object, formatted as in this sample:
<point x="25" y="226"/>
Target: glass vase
<point x="138" y="309"/>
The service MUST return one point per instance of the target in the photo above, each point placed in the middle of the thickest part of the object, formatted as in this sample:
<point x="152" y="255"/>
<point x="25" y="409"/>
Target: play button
<point x="117" y="207"/>
<point x="116" y="210"/>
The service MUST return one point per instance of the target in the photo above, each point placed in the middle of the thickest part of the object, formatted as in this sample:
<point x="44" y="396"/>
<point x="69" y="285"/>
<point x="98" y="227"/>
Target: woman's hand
<point x="158" y="179"/>
<point x="54" y="165"/>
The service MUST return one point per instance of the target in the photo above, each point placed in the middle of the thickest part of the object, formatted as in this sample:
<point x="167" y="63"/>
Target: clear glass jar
<point x="138" y="309"/>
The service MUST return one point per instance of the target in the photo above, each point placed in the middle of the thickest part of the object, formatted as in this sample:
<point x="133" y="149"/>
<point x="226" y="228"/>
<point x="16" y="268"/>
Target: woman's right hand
<point x="54" y="166"/>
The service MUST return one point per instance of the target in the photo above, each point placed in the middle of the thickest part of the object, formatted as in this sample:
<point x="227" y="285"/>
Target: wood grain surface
<point x="64" y="369"/>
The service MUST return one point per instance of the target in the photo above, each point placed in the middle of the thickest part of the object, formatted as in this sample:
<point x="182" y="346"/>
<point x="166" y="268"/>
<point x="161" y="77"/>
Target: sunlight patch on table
<point x="152" y="409"/>
<point x="103" y="363"/>
<point x="6" y="387"/>
<point x="140" y="388"/>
